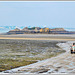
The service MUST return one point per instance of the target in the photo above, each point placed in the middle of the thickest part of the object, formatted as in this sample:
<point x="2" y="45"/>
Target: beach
<point x="37" y="37"/>
<point x="60" y="37"/>
<point x="62" y="63"/>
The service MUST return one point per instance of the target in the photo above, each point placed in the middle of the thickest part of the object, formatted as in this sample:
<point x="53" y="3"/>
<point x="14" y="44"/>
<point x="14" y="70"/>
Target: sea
<point x="4" y="29"/>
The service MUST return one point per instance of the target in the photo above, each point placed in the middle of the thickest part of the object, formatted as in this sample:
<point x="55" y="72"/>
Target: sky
<point x="41" y="14"/>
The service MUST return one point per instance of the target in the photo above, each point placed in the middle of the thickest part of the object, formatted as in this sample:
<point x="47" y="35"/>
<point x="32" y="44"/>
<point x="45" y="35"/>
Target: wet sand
<point x="60" y="37"/>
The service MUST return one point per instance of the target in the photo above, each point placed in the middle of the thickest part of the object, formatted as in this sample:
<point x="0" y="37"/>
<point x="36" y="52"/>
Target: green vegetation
<point x="6" y="64"/>
<point x="16" y="53"/>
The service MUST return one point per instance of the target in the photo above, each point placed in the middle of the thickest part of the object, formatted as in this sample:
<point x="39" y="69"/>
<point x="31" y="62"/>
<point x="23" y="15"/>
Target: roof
<point x="26" y="28"/>
<point x="17" y="29"/>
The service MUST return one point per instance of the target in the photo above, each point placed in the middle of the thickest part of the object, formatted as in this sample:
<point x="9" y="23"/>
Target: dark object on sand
<point x="73" y="49"/>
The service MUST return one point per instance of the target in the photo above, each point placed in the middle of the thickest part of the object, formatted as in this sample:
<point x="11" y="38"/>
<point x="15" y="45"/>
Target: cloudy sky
<point x="49" y="14"/>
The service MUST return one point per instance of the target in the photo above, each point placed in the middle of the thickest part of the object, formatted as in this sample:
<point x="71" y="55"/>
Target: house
<point x="25" y="29"/>
<point x="15" y="31"/>
<point x="37" y="29"/>
<point x="42" y="30"/>
<point x="57" y="29"/>
<point x="47" y="30"/>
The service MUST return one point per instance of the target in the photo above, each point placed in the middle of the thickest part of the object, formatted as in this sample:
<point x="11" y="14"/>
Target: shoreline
<point x="58" y="39"/>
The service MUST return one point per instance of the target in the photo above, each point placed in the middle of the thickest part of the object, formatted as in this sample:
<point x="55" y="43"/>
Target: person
<point x="73" y="47"/>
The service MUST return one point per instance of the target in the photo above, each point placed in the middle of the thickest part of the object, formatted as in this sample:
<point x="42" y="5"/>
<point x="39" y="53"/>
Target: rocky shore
<point x="63" y="63"/>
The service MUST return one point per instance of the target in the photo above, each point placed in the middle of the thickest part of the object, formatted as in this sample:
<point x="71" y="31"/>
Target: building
<point x="25" y="29"/>
<point x="57" y="29"/>
<point x="42" y="30"/>
<point x="15" y="31"/>
<point x="37" y="29"/>
<point x="47" y="30"/>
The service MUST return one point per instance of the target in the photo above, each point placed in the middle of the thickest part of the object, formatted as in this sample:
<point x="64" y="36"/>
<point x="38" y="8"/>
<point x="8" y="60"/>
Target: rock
<point x="43" y="71"/>
<point x="56" y="70"/>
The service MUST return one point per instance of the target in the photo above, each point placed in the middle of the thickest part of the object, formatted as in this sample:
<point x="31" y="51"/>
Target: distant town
<point x="40" y="30"/>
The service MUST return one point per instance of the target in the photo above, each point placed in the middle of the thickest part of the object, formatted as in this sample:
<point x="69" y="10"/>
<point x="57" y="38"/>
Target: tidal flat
<point x="16" y="53"/>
